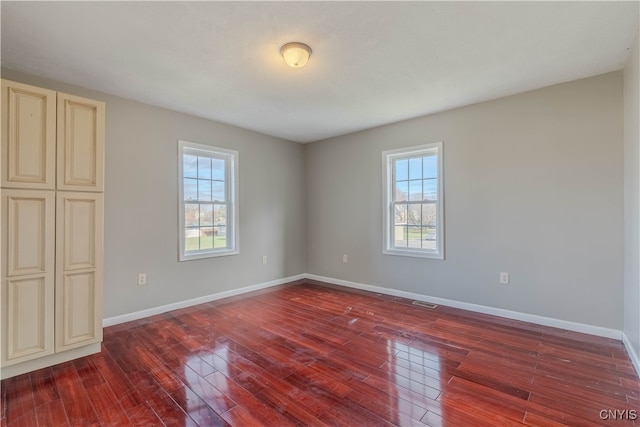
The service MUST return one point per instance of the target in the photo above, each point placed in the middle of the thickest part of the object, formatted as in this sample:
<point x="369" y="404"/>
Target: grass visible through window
<point x="205" y="242"/>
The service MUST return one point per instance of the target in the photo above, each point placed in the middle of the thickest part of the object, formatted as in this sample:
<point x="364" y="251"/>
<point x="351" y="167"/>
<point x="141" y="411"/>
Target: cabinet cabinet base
<point x="43" y="362"/>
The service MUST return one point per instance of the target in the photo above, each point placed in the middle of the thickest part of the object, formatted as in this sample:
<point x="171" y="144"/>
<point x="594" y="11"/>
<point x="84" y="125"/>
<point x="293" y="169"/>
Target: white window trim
<point x="387" y="167"/>
<point x="232" y="171"/>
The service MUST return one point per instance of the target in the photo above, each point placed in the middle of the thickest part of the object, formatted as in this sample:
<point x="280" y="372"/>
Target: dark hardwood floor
<point x="318" y="355"/>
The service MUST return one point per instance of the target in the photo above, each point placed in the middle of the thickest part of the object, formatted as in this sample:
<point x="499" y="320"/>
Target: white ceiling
<point x="373" y="63"/>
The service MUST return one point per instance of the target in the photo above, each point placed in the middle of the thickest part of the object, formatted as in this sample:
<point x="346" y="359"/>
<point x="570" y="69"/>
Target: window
<point x="413" y="203"/>
<point x="208" y="201"/>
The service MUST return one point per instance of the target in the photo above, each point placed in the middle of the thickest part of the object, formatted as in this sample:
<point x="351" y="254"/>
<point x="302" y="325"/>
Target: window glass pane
<point x="220" y="214"/>
<point x="190" y="189"/>
<point x="206" y="238"/>
<point x="400" y="236"/>
<point x="191" y="215"/>
<point x="190" y="166"/>
<point x="400" y="214"/>
<point x="429" y="215"/>
<point x="415" y="168"/>
<point x="191" y="239"/>
<point x="204" y="190"/>
<point x="430" y="188"/>
<point x="414" y="215"/>
<point x="204" y="167"/>
<point x="218" y="169"/>
<point x="428" y="235"/>
<point x="429" y="238"/>
<point x="206" y="214"/>
<point x="430" y="166"/>
<point x="218" y="191"/>
<point x="402" y="169"/>
<point x="402" y="191"/>
<point x="415" y="190"/>
<point x="414" y="236"/>
<point x="220" y="237"/>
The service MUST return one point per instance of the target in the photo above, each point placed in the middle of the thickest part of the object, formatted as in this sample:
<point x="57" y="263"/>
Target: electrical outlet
<point x="142" y="279"/>
<point x="345" y="258"/>
<point x="264" y="259"/>
<point x="504" y="278"/>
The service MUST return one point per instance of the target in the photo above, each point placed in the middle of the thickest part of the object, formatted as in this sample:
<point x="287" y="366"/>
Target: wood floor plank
<point x="143" y="415"/>
<point x="313" y="354"/>
<point x="240" y="416"/>
<point x="52" y="414"/>
<point x="44" y="388"/>
<point x="19" y="398"/>
<point x="106" y="406"/>
<point x="539" y="421"/>
<point x="479" y="411"/>
<point x="196" y="408"/>
<point x="73" y="395"/>
<point x="292" y="403"/>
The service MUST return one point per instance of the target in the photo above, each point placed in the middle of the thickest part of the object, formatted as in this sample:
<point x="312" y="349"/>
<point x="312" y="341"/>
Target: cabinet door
<point x="80" y="143"/>
<point x="79" y="235"/>
<point x="27" y="275"/>
<point x="28" y="136"/>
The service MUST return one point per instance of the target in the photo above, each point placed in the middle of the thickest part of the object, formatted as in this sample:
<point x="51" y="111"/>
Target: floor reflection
<point x="206" y="378"/>
<point x="415" y="379"/>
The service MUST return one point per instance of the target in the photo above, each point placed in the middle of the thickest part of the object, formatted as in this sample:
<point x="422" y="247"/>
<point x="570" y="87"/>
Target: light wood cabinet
<point x="52" y="226"/>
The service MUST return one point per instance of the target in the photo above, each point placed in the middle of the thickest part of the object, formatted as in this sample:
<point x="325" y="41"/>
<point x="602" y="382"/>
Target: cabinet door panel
<point x="29" y="318"/>
<point x="28" y="232"/>
<point x="78" y="323"/>
<point x="79" y="232"/>
<point x="28" y="136"/>
<point x="80" y="143"/>
<point x="80" y="215"/>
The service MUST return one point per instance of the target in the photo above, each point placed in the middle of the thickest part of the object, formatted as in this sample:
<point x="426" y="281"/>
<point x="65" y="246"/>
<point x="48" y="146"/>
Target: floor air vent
<point x="424" y="304"/>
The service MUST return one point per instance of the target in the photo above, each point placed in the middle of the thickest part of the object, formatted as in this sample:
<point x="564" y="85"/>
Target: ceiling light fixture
<point x="295" y="54"/>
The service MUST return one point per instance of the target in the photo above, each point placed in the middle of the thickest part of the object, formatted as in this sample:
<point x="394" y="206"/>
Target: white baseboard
<point x="110" y="321"/>
<point x="532" y="318"/>
<point x="632" y="353"/>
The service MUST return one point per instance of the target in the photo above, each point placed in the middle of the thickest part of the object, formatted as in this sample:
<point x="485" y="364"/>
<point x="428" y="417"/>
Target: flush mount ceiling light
<point x="295" y="54"/>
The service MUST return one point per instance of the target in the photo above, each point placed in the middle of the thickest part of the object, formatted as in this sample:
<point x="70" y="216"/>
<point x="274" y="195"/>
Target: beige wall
<point x="533" y="187"/>
<point x="141" y="205"/>
<point x="632" y="199"/>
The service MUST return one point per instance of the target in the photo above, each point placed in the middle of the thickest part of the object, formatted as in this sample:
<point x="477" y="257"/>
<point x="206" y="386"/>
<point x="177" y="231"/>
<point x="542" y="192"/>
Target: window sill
<point x="202" y="255"/>
<point x="414" y="253"/>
